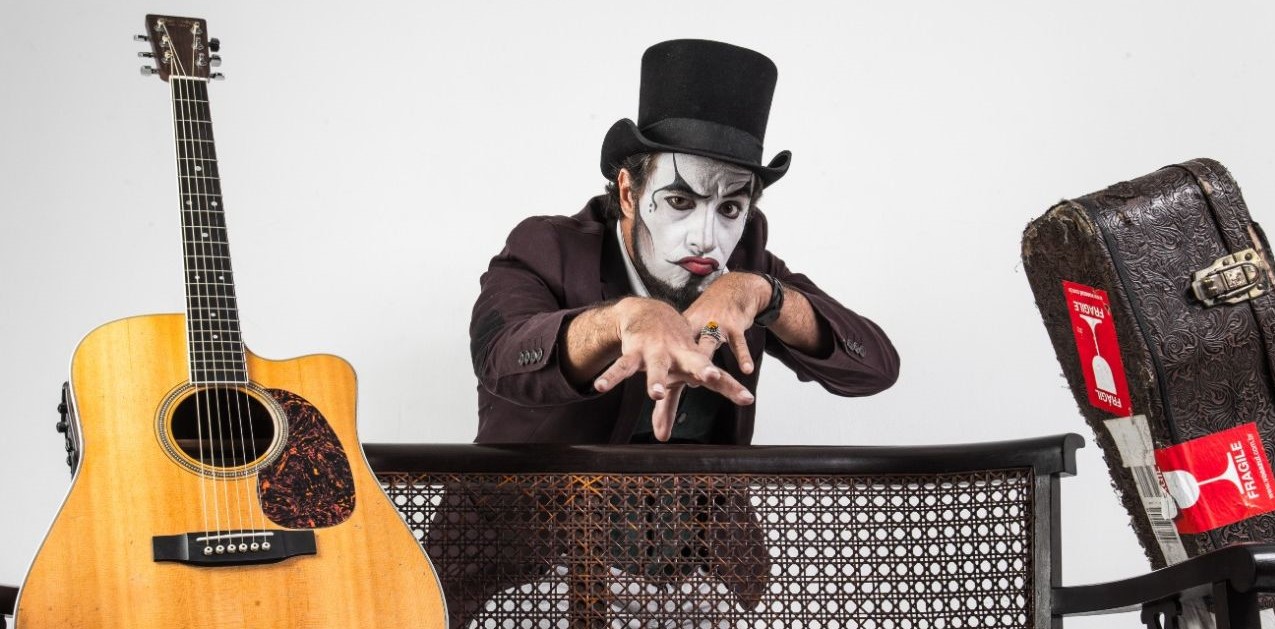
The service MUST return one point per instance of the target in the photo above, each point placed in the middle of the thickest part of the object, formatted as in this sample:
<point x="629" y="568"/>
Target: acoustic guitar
<point x="217" y="489"/>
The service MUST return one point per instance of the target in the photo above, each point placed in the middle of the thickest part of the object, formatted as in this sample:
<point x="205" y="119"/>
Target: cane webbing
<point x="943" y="551"/>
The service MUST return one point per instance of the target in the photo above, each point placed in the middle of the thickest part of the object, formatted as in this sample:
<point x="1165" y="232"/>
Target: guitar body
<point x="97" y="566"/>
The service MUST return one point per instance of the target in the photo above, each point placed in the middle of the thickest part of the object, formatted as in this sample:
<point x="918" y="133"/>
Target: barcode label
<point x="1160" y="511"/>
<point x="1133" y="440"/>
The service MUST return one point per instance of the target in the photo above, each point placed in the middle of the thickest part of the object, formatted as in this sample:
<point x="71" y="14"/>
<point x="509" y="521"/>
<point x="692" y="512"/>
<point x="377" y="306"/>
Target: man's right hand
<point x="641" y="334"/>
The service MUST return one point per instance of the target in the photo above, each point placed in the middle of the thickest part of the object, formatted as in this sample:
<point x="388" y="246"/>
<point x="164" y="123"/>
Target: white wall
<point x="373" y="158"/>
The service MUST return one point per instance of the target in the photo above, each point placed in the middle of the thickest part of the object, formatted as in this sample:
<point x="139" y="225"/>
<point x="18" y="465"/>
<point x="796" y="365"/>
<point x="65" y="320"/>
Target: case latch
<point x="1231" y="279"/>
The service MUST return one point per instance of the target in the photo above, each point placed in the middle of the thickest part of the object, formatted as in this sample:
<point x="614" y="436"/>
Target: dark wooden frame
<point x="1230" y="579"/>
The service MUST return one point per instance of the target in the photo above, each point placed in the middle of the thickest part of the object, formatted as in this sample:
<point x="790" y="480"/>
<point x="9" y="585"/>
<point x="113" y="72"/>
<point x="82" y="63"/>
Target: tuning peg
<point x="141" y="38"/>
<point x="146" y="55"/>
<point x="147" y="71"/>
<point x="214" y="61"/>
<point x="214" y="44"/>
<point x="217" y="76"/>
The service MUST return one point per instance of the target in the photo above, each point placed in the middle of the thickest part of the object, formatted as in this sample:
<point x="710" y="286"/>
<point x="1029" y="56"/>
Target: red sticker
<point x="1099" y="351"/>
<point x="1219" y="479"/>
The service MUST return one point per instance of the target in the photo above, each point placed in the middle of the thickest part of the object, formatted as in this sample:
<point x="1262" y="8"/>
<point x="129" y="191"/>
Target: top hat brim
<point x="625" y="139"/>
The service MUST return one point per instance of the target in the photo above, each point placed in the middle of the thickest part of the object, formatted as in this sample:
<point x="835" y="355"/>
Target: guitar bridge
<point x="233" y="548"/>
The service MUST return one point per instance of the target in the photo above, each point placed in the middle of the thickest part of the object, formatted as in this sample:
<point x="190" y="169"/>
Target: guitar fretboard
<point x="214" y="344"/>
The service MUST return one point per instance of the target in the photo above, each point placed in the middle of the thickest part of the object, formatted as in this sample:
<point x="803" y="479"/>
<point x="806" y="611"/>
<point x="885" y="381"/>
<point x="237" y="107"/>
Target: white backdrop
<point x="374" y="156"/>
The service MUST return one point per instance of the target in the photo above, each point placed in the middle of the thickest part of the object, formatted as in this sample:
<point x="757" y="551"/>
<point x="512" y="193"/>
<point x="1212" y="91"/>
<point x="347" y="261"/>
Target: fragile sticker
<point x="1099" y="351"/>
<point x="1219" y="479"/>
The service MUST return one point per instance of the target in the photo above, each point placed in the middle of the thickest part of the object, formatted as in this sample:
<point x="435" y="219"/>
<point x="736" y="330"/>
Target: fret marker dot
<point x="196" y="277"/>
<point x="221" y="277"/>
<point x="198" y="168"/>
<point x="214" y="204"/>
<point x="214" y="336"/>
<point x="205" y="234"/>
<point x="214" y="315"/>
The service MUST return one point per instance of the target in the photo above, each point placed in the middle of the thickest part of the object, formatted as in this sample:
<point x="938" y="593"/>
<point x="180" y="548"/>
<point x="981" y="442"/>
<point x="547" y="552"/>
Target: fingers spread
<point x="622" y="368"/>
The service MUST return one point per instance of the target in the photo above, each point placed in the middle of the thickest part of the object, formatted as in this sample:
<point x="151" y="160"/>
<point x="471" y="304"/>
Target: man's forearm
<point x="799" y="328"/>
<point x="591" y="342"/>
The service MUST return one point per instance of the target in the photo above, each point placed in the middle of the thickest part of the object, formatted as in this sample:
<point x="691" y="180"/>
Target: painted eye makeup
<point x="679" y="202"/>
<point x="730" y="209"/>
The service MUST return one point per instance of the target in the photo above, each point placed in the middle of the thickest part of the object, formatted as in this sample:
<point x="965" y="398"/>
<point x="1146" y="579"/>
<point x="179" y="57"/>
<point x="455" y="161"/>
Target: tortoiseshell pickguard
<point x="310" y="485"/>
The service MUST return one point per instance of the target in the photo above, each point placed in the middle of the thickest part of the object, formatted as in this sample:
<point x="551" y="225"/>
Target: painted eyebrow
<point x="684" y="188"/>
<point x="743" y="189"/>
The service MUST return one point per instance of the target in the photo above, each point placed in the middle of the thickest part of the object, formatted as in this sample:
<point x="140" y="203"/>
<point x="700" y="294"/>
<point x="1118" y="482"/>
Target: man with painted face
<point x="645" y="316"/>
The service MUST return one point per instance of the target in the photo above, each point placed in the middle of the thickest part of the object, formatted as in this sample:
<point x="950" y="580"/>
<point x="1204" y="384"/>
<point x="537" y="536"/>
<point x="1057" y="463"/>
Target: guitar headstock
<point x="180" y="47"/>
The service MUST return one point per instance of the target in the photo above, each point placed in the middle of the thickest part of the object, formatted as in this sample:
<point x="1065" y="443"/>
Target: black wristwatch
<point x="768" y="314"/>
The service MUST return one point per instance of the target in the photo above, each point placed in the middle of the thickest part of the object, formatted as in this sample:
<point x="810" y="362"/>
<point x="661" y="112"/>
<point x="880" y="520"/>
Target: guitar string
<point x="243" y="403"/>
<point x="206" y="357"/>
<point x="192" y="297"/>
<point x="196" y="202"/>
<point x="230" y="342"/>
<point x="214" y="344"/>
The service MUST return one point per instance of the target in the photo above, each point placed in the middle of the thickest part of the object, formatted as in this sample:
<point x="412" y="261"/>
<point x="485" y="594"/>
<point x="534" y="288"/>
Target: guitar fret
<point x="213" y="325"/>
<point x="219" y="377"/>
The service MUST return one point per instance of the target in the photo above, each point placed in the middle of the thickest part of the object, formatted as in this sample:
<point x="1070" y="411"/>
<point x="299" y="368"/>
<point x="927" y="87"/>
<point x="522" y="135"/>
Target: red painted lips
<point x="698" y="266"/>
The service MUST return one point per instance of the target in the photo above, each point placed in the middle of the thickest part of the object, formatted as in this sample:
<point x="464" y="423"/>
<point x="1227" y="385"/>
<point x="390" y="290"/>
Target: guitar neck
<point x="214" y="343"/>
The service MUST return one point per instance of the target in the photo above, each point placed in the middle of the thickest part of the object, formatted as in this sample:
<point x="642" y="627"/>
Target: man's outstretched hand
<point x="655" y="338"/>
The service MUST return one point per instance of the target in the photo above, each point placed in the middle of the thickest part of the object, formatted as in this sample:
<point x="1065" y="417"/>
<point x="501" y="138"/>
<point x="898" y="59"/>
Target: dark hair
<point x="639" y="167"/>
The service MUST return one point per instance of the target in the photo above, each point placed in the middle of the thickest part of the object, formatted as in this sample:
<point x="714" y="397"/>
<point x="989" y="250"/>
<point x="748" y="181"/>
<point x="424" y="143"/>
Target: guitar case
<point x="1187" y="275"/>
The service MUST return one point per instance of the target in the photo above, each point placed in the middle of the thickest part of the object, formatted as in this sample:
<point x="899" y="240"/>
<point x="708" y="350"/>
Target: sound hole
<point x="223" y="427"/>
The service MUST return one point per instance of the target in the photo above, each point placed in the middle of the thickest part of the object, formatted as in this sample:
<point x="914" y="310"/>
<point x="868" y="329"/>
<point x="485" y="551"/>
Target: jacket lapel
<point x="615" y="282"/>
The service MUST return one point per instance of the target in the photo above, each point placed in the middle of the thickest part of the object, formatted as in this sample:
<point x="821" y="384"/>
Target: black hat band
<point x="706" y="136"/>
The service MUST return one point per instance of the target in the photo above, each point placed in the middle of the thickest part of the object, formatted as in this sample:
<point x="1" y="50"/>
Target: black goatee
<point x="681" y="297"/>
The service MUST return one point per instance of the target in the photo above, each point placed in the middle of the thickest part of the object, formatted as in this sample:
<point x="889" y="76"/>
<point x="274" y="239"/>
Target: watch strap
<point x="770" y="313"/>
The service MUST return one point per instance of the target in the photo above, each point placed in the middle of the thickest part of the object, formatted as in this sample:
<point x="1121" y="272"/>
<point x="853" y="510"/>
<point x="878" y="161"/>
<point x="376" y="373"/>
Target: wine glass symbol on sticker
<point x="1103" y="378"/>
<point x="1185" y="490"/>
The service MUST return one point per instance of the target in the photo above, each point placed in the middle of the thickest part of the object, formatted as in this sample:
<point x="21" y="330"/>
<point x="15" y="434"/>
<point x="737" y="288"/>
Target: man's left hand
<point x="732" y="301"/>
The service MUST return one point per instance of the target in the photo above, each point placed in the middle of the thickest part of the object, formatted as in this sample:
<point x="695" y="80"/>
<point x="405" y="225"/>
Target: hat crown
<point x="706" y="80"/>
<point x="704" y="98"/>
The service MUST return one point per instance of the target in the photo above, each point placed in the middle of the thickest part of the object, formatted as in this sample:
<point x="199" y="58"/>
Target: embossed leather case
<point x="1192" y="369"/>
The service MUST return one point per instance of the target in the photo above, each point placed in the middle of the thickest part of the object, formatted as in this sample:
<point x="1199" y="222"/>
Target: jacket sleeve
<point x="519" y="318"/>
<point x="862" y="361"/>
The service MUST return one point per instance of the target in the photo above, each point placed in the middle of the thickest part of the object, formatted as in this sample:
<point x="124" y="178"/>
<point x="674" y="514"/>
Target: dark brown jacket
<point x="554" y="267"/>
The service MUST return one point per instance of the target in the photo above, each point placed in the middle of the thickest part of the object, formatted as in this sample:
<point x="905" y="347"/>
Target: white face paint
<point x="689" y="218"/>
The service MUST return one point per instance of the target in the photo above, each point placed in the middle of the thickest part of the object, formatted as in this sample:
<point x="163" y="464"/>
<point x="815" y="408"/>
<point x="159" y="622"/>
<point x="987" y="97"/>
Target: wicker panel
<point x="946" y="551"/>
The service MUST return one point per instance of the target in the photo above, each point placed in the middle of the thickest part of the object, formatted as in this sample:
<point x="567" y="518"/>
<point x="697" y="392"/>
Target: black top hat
<point x="704" y="98"/>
